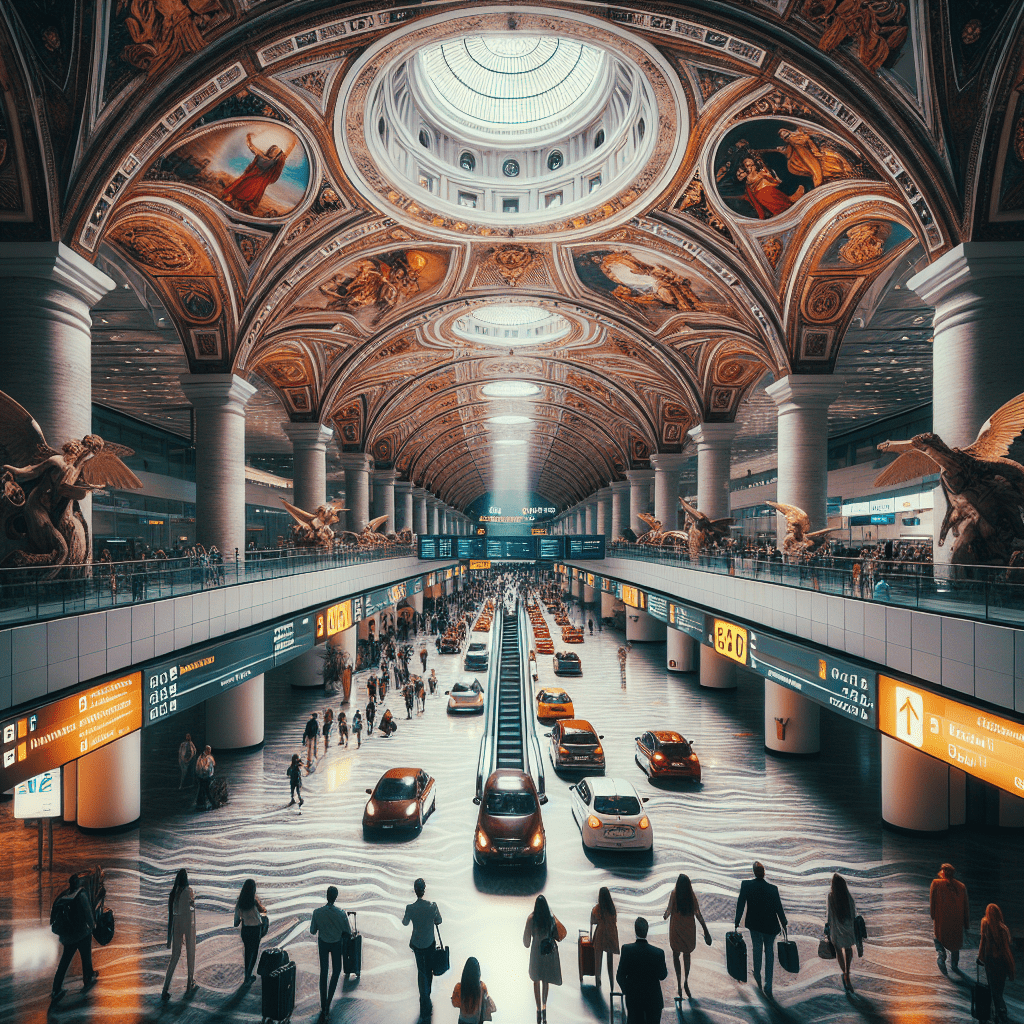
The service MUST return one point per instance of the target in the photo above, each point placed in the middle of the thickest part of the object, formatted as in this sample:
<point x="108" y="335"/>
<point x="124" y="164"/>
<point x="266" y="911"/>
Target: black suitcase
<point x="270" y="960"/>
<point x="736" y="956"/>
<point x="279" y="993"/>
<point x="981" y="998"/>
<point x="352" y="954"/>
<point x="218" y="792"/>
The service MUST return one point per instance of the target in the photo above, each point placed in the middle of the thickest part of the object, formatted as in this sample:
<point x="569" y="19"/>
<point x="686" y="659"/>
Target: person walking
<point x="295" y="780"/>
<point x="764" y="916"/>
<point x="541" y="936"/>
<point x="951" y="914"/>
<point x="590" y="623"/>
<point x="181" y="927"/>
<point x="433" y="681"/>
<point x="371" y="714"/>
<point x="371" y="689"/>
<point x="330" y="926"/>
<point x="421" y="694"/>
<point x="186" y="755"/>
<point x="641" y="971"/>
<point x="423" y="658"/>
<point x="328" y="725"/>
<point x="357" y="729"/>
<point x="205" y="767"/>
<point x="342" y="728"/>
<point x="72" y="921"/>
<point x="840" y="927"/>
<point x="605" y="938"/>
<point x="424" y="917"/>
<point x="409" y="694"/>
<point x="683" y="913"/>
<point x="996" y="953"/>
<point x="470" y="995"/>
<point x="309" y="736"/>
<point x="248" y="914"/>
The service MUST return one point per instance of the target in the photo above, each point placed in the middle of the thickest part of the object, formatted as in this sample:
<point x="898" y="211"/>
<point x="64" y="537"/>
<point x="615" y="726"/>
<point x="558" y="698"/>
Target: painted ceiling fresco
<point x="821" y="153"/>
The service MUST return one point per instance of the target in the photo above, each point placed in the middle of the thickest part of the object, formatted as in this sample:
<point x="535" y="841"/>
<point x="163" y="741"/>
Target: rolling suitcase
<point x="352" y="955"/>
<point x="279" y="993"/>
<point x="736" y="956"/>
<point x="270" y="960"/>
<point x="586" y="955"/>
<point x="981" y="998"/>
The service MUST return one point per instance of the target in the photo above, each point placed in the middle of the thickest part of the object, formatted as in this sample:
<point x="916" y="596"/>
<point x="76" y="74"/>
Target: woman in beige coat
<point x="605" y="939"/>
<point x="684" y="911"/>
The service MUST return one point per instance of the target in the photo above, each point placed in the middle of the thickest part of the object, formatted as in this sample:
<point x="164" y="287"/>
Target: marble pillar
<point x="433" y="515"/>
<point x="643" y="627"/>
<point x="604" y="513"/>
<point x="680" y="655"/>
<point x="803" y="403"/>
<point x="620" y="507"/>
<point x="666" y="488"/>
<point x="920" y="793"/>
<point x="791" y="722"/>
<point x="357" y="489"/>
<point x="714" y="454"/>
<point x="219" y="401"/>
<point x="404" y="519"/>
<point x="309" y="463"/>
<point x="234" y="718"/>
<point x="384" y="497"/>
<point x="109" y="786"/>
<point x="419" y="497"/>
<point x="716" y="671"/>
<point x="590" y="517"/>
<point x="640" y="481"/>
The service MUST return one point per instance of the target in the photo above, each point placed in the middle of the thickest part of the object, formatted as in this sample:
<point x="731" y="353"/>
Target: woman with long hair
<point x="840" y="928"/>
<point x="181" y="927"/>
<point x="248" y="911"/>
<point x="605" y="938"/>
<point x="470" y="995"/>
<point x="541" y="936"/>
<point x="996" y="953"/>
<point x="683" y="910"/>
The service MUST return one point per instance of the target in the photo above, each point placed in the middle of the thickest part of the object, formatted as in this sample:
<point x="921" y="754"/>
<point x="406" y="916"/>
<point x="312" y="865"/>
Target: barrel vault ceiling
<point x="123" y="133"/>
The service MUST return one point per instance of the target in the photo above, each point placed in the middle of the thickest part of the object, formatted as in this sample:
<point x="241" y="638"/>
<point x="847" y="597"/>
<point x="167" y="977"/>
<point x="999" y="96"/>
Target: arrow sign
<point x="908" y="707"/>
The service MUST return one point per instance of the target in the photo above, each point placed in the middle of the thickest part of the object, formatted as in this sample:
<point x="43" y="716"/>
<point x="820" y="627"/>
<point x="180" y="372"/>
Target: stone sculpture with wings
<point x="656" y="536"/>
<point x="313" y="529"/>
<point x="369" y="536"/>
<point x="984" y="488"/>
<point x="41" y="521"/>
<point x="800" y="541"/>
<point x="702" y="531"/>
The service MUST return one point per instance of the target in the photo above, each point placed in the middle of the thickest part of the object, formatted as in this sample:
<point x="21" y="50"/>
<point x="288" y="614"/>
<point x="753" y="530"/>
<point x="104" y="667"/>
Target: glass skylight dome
<point x="511" y="325"/>
<point x="510" y="389"/>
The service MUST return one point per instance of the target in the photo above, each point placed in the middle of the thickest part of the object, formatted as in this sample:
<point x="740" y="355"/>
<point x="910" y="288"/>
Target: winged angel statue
<point x="40" y="515"/>
<point x="313" y="529"/>
<point x="800" y="542"/>
<point x="702" y="531"/>
<point x="984" y="489"/>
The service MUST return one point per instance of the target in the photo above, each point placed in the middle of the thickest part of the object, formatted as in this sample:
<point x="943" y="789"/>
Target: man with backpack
<point x="72" y="921"/>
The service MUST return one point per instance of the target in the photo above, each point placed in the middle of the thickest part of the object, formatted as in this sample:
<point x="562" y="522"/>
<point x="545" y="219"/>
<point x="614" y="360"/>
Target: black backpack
<point x="66" y="916"/>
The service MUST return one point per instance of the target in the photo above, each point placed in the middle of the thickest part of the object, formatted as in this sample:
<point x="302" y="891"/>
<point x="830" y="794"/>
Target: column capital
<point x="639" y="476"/>
<point x="385" y="475"/>
<point x="670" y="462"/>
<point x="216" y="390"/>
<point x="405" y="487"/>
<point x="308" y="435"/>
<point x="706" y="435"/>
<point x="619" y="485"/>
<point x="55" y="262"/>
<point x="810" y="391"/>
<point x="356" y="460"/>
<point x="969" y="263"/>
<point x="603" y="494"/>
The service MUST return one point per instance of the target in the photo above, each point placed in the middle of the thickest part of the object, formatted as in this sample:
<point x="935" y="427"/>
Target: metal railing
<point x="973" y="592"/>
<point x="35" y="594"/>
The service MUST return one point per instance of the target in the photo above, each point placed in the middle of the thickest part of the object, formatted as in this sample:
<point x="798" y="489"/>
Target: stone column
<point x="666" y="488"/>
<point x="716" y="671"/>
<point x="384" y="496"/>
<point x="309" y="463"/>
<point x="433" y="515"/>
<point x="581" y="520"/>
<point x="920" y="793"/>
<point x="640" y="481"/>
<point x="620" y="507"/>
<point x="219" y="400"/>
<point x="975" y="289"/>
<point x="643" y="627"/>
<point x="403" y="506"/>
<point x="679" y="651"/>
<point x="604" y="513"/>
<point x="590" y="517"/>
<point x="791" y="721"/>
<point x="803" y="444"/>
<point x="714" y="453"/>
<point x="419" y="497"/>
<point x="46" y="292"/>
<point x="357" y="489"/>
<point x="109" y="786"/>
<point x="234" y="719"/>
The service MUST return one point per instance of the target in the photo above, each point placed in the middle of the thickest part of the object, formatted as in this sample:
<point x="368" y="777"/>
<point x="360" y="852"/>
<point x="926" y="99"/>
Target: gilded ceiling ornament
<point x="777" y="102"/>
<point x="512" y="261"/>
<point x="164" y="32"/>
<point x="381" y="282"/>
<point x="876" y="26"/>
<point x="866" y="242"/>
<point x="772" y="249"/>
<point x="152" y="247"/>
<point x="197" y="297"/>
<point x="825" y="300"/>
<point x="694" y="201"/>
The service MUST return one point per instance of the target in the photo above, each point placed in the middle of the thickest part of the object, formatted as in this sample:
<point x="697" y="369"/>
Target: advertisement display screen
<point x="688" y="621"/>
<point x="729" y="640"/>
<point x="293" y="637"/>
<point x="38" y="797"/>
<point x="62" y="731"/>
<point x="550" y="548"/>
<point x="479" y="563"/>
<point x="182" y="683"/>
<point x="835" y="683"/>
<point x="333" y="620"/>
<point x="657" y="606"/>
<point x="985" y="745"/>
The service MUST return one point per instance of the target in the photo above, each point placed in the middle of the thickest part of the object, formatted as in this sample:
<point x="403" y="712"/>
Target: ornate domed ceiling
<point x="600" y="225"/>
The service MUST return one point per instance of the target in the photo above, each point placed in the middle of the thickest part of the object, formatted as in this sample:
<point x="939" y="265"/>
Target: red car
<point x="403" y="799"/>
<point x="664" y="754"/>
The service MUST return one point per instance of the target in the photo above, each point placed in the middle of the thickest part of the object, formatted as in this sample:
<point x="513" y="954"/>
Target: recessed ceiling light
<point x="509" y="420"/>
<point x="510" y="389"/>
<point x="509" y="440"/>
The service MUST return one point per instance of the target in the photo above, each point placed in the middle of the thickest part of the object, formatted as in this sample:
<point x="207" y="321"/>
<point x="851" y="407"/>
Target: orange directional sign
<point x="985" y="745"/>
<point x="729" y="640"/>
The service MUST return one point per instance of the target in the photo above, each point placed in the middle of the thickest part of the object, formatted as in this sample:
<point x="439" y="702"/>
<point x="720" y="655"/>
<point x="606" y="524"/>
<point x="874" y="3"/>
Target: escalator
<point x="509" y="750"/>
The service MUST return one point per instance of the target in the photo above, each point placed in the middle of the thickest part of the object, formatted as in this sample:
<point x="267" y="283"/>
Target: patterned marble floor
<point x="803" y="819"/>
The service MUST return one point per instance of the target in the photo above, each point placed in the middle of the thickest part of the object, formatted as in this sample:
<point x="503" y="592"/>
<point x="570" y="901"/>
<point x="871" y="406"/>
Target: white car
<point x="466" y="698"/>
<point x="611" y="815"/>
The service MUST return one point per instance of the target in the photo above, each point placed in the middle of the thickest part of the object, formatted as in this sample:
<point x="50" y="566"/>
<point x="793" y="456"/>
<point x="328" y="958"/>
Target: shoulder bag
<point x="789" y="955"/>
<point x="440" y="957"/>
<point x="264" y="925"/>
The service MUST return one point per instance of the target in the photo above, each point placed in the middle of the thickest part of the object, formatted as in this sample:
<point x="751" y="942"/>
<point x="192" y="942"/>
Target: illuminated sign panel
<point x="428" y="547"/>
<point x="978" y="742"/>
<point x="38" y="797"/>
<point x="478" y="563"/>
<point x="835" y="683"/>
<point x="657" y="606"/>
<point x="631" y="596"/>
<point x="549" y="548"/>
<point x="333" y="620"/>
<point x="586" y="546"/>
<point x="292" y="638"/>
<point x="62" y="731"/>
<point x="689" y="621"/>
<point x="729" y="640"/>
<point x="538" y="531"/>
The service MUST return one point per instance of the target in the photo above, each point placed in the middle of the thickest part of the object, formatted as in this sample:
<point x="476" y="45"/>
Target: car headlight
<point x="658" y="757"/>
<point x="645" y="822"/>
<point x="482" y="841"/>
<point x="593" y="821"/>
<point x="371" y="808"/>
<point x="693" y="757"/>
<point x="411" y="810"/>
<point x="538" y="839"/>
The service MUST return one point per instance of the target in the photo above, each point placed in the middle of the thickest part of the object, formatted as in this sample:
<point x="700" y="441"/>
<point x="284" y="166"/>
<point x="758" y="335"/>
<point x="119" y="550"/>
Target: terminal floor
<point x="803" y="819"/>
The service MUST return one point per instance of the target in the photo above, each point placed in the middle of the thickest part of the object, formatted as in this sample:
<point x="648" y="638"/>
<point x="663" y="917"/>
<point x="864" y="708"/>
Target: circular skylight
<point x="510" y="389"/>
<point x="509" y="420"/>
<point x="494" y="81"/>
<point x="509" y="441"/>
<point x="508" y="325"/>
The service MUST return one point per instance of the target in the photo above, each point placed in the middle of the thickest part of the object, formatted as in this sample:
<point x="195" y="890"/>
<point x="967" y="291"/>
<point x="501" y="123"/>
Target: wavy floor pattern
<point x="803" y="819"/>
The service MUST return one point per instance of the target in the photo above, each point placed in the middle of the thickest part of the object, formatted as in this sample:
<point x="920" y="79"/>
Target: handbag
<point x="789" y="955"/>
<point x="440" y="956"/>
<point x="103" y="933"/>
<point x="860" y="929"/>
<point x="487" y="1010"/>
<point x="826" y="951"/>
<point x="264" y="925"/>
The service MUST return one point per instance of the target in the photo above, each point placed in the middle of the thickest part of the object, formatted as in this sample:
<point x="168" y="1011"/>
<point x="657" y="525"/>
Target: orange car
<point x="664" y="754"/>
<point x="553" y="703"/>
<point x="403" y="798"/>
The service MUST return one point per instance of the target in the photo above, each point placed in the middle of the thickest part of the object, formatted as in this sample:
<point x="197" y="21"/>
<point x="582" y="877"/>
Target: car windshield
<point x="403" y="788"/>
<point x="473" y="687"/>
<point x="478" y="647"/>
<point x="623" y="805"/>
<point x="568" y="657"/>
<point x="554" y="698"/>
<point x="675" y="749"/>
<point x="579" y="738"/>
<point x="507" y="805"/>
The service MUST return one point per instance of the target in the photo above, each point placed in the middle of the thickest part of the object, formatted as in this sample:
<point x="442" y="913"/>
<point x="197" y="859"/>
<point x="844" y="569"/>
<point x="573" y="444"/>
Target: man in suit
<point x="641" y="971"/>
<point x="764" y="916"/>
<point x="424" y="917"/>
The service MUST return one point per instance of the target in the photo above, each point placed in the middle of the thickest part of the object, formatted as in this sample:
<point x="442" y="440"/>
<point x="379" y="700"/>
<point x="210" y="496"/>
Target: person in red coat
<point x="951" y="912"/>
<point x="245" y="193"/>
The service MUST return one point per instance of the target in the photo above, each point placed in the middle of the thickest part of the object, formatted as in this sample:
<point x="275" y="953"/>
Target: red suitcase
<point x="587" y="960"/>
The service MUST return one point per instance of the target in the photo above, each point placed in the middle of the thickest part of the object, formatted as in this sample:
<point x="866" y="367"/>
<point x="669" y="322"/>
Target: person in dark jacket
<point x="295" y="779"/>
<point x="309" y="737"/>
<point x="764" y="917"/>
<point x="641" y="971"/>
<point x="75" y="935"/>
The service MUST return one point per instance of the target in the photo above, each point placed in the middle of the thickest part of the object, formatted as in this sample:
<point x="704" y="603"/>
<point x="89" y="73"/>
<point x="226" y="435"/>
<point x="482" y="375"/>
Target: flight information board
<point x="585" y="546"/>
<point x="469" y="547"/>
<point x="550" y="548"/>
<point x="521" y="547"/>
<point x="835" y="683"/>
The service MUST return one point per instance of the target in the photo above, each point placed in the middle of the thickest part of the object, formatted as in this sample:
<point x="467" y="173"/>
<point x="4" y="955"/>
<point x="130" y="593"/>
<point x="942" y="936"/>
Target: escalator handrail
<point x="489" y="740"/>
<point x="533" y="758"/>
